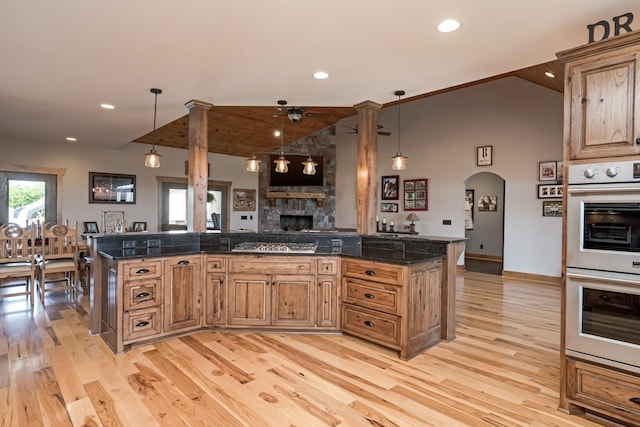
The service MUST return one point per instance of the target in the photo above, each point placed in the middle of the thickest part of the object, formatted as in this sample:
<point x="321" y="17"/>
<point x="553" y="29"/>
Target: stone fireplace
<point x="301" y="201"/>
<point x="296" y="222"/>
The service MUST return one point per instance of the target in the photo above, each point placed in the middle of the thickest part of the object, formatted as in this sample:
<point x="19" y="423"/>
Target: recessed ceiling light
<point x="549" y="74"/>
<point x="107" y="106"/>
<point x="71" y="139"/>
<point x="448" y="26"/>
<point x="276" y="133"/>
<point x="321" y="75"/>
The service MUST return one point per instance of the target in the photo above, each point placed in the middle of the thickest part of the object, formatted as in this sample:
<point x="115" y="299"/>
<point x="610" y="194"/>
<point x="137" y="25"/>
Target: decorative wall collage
<point x="550" y="173"/>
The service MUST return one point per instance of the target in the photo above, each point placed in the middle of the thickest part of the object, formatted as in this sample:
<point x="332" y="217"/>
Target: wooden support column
<point x="198" y="168"/>
<point x="367" y="182"/>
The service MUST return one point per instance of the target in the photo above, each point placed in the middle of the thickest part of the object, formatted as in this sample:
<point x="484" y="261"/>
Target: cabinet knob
<point x="370" y="273"/>
<point x="143" y="294"/>
<point x="370" y="296"/>
<point x="369" y="323"/>
<point x="635" y="400"/>
<point x="141" y="324"/>
<point x="143" y="271"/>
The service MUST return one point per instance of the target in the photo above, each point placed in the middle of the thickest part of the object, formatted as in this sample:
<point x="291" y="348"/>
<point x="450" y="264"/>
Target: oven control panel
<point x="599" y="173"/>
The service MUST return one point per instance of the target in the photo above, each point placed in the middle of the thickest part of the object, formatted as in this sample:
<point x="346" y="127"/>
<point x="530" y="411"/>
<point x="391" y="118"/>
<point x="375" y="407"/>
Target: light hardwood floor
<point x="501" y="370"/>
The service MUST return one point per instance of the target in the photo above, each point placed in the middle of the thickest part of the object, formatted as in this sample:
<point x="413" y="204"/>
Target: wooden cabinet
<point x="283" y="292"/>
<point x="215" y="290"/>
<point x="182" y="293"/>
<point x="602" y="98"/>
<point x="603" y="390"/>
<point x="393" y="305"/>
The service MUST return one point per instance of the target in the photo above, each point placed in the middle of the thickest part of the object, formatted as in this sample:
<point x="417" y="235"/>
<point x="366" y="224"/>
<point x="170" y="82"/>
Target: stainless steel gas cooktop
<point x="275" y="247"/>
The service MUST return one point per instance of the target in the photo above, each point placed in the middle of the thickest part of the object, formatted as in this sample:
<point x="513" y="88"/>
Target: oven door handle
<point x="600" y="278"/>
<point x="598" y="190"/>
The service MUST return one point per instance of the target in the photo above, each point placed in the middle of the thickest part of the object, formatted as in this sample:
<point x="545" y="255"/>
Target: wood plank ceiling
<point x="244" y="131"/>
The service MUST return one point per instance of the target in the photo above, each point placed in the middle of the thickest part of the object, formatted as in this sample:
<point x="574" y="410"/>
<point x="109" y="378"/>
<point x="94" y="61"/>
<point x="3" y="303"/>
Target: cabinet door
<point x="424" y="306"/>
<point x="327" y="302"/>
<point x="605" y="96"/>
<point x="182" y="295"/>
<point x="249" y="299"/>
<point x="293" y="299"/>
<point x="214" y="300"/>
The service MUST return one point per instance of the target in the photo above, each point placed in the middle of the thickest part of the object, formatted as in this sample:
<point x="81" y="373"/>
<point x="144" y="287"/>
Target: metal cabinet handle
<point x="141" y="324"/>
<point x="370" y="296"/>
<point x="638" y="141"/>
<point x="215" y="266"/>
<point x="635" y="400"/>
<point x="370" y="273"/>
<point x="183" y="262"/>
<point x="143" y="271"/>
<point x="369" y="323"/>
<point x="142" y="295"/>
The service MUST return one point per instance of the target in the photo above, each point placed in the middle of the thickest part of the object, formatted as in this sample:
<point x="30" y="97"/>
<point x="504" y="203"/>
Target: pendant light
<point x="253" y="164"/>
<point x="309" y="166"/>
<point x="399" y="162"/>
<point x="282" y="164"/>
<point x="152" y="158"/>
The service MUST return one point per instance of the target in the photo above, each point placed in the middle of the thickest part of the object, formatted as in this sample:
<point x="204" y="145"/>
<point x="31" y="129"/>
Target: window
<point x="174" y="201"/>
<point x="27" y="197"/>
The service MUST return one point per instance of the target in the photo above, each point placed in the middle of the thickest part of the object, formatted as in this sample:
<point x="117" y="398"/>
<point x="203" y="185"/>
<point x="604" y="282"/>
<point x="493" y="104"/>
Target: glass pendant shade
<point x="253" y="164"/>
<point x="309" y="166"/>
<point x="152" y="159"/>
<point x="399" y="162"/>
<point x="282" y="164"/>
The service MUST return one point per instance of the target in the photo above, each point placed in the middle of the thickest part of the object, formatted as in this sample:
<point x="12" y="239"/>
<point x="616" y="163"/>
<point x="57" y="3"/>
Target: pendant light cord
<point x="399" y="94"/>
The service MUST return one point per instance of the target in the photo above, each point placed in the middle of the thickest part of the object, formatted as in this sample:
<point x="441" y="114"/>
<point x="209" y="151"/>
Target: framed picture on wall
<point x="415" y="195"/>
<point x="390" y="187"/>
<point x="388" y="207"/>
<point x="111" y="188"/>
<point x="552" y="208"/>
<point x="547" y="171"/>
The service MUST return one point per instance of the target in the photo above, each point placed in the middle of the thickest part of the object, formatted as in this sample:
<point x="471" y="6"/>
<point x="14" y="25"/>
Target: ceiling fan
<point x="295" y="114"/>
<point x="354" y="130"/>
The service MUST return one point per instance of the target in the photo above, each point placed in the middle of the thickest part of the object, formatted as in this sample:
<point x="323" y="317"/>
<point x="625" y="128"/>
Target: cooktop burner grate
<point x="271" y="247"/>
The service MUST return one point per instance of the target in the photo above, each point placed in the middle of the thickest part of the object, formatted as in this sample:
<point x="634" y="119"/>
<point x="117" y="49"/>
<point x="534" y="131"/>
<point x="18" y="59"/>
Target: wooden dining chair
<point x="17" y="265"/>
<point x="58" y="259"/>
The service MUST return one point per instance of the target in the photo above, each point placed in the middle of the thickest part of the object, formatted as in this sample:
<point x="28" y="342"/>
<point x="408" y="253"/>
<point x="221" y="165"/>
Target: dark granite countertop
<point x="388" y="256"/>
<point x="390" y="248"/>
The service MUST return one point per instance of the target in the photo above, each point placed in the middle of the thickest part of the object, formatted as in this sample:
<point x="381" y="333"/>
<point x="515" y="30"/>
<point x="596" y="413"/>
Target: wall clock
<point x="484" y="155"/>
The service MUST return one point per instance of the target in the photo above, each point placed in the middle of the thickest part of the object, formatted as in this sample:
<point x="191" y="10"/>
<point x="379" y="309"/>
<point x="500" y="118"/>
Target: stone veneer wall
<point x="321" y="144"/>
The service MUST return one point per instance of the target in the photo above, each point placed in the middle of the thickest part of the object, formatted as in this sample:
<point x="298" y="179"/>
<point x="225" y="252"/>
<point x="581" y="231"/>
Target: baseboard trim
<point x="484" y="257"/>
<point x="553" y="280"/>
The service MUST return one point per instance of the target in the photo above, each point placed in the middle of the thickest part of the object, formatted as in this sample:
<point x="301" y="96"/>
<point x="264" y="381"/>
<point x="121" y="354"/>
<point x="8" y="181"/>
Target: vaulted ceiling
<point x="60" y="60"/>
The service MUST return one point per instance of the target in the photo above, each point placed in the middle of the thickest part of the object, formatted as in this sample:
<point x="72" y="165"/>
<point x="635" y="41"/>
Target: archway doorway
<point x="484" y="223"/>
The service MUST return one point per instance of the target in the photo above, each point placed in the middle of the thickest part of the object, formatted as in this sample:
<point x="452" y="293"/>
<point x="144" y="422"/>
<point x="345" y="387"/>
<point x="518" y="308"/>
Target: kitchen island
<point x="397" y="291"/>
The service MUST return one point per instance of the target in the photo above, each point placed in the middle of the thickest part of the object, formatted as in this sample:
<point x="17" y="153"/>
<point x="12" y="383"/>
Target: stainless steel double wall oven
<point x="603" y="263"/>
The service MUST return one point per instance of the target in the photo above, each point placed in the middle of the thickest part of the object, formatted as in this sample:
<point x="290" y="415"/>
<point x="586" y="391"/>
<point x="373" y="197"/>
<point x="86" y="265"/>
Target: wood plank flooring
<point x="501" y="370"/>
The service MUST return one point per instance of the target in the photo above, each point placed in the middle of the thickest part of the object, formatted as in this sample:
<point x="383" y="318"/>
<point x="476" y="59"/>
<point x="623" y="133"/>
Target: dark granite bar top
<point x="390" y="248"/>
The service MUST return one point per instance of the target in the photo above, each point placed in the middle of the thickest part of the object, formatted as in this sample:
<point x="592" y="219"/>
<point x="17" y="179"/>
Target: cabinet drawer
<point x="606" y="390"/>
<point x="144" y="270"/>
<point x="142" y="293"/>
<point x="272" y="265"/>
<point x="328" y="266"/>
<point x="370" y="270"/>
<point x="376" y="296"/>
<point x="372" y="325"/>
<point x="216" y="264"/>
<point x="143" y="323"/>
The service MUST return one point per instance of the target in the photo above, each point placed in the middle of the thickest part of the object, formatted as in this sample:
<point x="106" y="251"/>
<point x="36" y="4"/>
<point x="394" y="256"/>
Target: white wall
<point x="79" y="160"/>
<point x="439" y="134"/>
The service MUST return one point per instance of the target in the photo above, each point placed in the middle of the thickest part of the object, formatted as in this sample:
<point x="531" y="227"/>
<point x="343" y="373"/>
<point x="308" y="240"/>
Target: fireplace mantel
<point x="273" y="195"/>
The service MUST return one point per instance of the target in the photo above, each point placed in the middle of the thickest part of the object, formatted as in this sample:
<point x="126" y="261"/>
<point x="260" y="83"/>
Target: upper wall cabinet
<point x="602" y="98"/>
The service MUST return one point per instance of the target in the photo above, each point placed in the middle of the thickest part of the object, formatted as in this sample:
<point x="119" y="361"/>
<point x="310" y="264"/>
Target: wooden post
<point x="198" y="165"/>
<point x="367" y="182"/>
